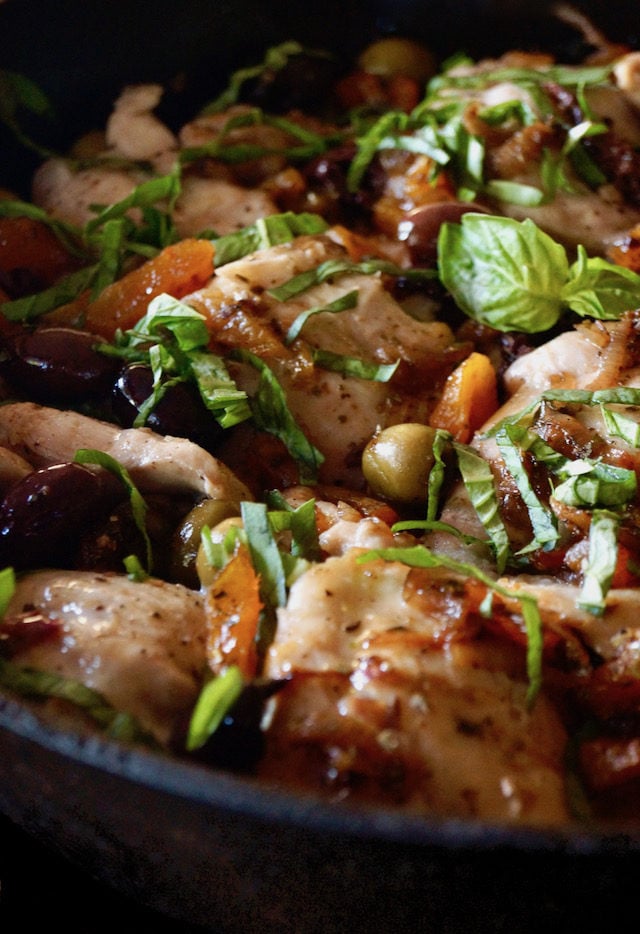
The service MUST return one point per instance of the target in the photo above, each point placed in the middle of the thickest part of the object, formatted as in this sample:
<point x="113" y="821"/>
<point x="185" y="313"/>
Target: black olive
<point x="238" y="743"/>
<point x="180" y="412"/>
<point x="421" y="226"/>
<point x="43" y="515"/>
<point x="57" y="364"/>
<point x="106" y="543"/>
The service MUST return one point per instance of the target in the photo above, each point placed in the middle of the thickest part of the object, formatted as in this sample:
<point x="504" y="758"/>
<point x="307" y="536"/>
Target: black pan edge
<point x="214" y="789"/>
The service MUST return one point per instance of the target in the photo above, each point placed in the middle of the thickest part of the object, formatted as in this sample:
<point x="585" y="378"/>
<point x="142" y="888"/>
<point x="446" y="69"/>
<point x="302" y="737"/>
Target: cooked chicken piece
<point x="577" y="213"/>
<point x="389" y="702"/>
<point x="376" y="329"/>
<point x="337" y="413"/>
<point x="596" y="355"/>
<point x="593" y="356"/>
<point x="217" y="205"/>
<point x="12" y="468"/>
<point x="133" y="131"/>
<point x="592" y="219"/>
<point x="627" y="74"/>
<point x="70" y="194"/>
<point x="614" y="634"/>
<point x="337" y="606"/>
<point x="205" y="204"/>
<point x="140" y="645"/>
<point x="155" y="462"/>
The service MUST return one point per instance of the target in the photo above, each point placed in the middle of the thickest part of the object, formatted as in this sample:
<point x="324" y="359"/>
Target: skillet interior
<point x="208" y="847"/>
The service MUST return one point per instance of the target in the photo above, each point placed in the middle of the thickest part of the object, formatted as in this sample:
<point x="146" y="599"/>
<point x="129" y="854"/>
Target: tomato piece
<point x="177" y="270"/>
<point x="233" y="610"/>
<point x="31" y="255"/>
<point x="469" y="398"/>
<point x="624" y="574"/>
<point x="627" y="252"/>
<point x="404" y="92"/>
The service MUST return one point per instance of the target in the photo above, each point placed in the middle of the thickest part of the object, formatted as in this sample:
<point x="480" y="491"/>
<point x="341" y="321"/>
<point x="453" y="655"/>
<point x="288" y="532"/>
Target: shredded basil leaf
<point x="621" y="426"/>
<point x="441" y="442"/>
<point x="134" y="569"/>
<point x="68" y="288"/>
<point x="601" y="561"/>
<point x="271" y="413"/>
<point x="342" y="303"/>
<point x="435" y="525"/>
<point x="218" y="553"/>
<point x="592" y="484"/>
<point x="17" y="92"/>
<point x="478" y="480"/>
<point x="266" y="232"/>
<point x="138" y="505"/>
<point x="618" y="395"/>
<point x="543" y="522"/>
<point x="31" y="682"/>
<point x="308" y="144"/>
<point x="146" y="194"/>
<point x="173" y="337"/>
<point x="266" y="557"/>
<point x="300" y="522"/>
<point x="332" y="268"/>
<point x="7" y="588"/>
<point x="352" y="366"/>
<point x="216" y="698"/>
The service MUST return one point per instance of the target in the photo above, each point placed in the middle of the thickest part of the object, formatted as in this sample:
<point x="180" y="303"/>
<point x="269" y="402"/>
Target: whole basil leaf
<point x="503" y="273"/>
<point x="598" y="289"/>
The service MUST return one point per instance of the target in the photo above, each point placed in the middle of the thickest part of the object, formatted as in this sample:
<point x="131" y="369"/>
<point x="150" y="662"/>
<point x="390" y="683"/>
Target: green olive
<point x="186" y="539"/>
<point x="205" y="572"/>
<point x="397" y="461"/>
<point x="397" y="56"/>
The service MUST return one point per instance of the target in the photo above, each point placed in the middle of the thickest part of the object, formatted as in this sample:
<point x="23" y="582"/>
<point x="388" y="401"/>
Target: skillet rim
<point x="213" y="789"/>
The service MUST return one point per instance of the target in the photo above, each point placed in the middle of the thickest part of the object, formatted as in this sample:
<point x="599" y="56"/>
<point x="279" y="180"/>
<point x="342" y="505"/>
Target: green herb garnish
<point x="479" y="483"/>
<point x="266" y="232"/>
<point x="512" y="276"/>
<point x="138" y="505"/>
<point x="215" y="700"/>
<point x="31" y="682"/>
<point x="173" y="338"/>
<point x="272" y="414"/>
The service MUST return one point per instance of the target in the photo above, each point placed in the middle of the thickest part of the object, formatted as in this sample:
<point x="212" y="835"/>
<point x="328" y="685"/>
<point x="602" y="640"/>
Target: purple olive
<point x="180" y="411"/>
<point x="421" y="226"/>
<point x="43" y="515"/>
<point x="57" y="364"/>
<point x="327" y="178"/>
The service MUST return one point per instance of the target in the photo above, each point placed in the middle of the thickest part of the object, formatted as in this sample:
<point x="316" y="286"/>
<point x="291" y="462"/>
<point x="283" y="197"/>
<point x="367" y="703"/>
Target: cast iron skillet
<point x="208" y="847"/>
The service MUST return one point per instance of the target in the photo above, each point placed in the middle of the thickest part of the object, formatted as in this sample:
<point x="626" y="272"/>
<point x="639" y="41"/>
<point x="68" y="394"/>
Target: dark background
<point x="40" y="890"/>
